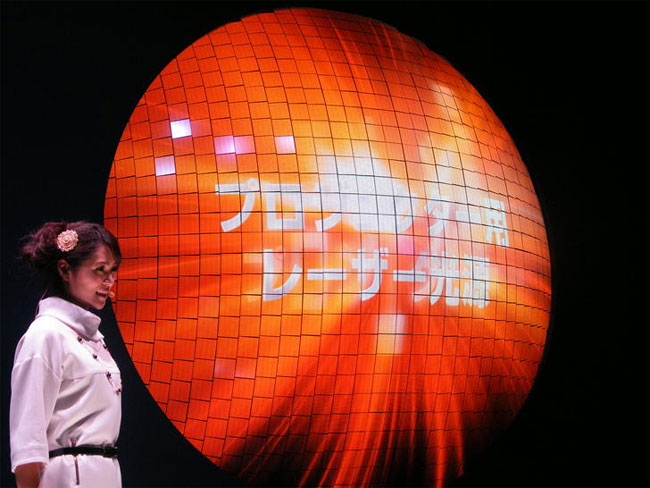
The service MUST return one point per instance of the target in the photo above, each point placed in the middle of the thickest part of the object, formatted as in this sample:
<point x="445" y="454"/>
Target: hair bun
<point x="39" y="248"/>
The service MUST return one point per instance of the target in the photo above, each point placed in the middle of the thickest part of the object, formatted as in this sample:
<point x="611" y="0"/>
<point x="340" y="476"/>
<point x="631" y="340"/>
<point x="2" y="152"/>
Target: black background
<point x="568" y="80"/>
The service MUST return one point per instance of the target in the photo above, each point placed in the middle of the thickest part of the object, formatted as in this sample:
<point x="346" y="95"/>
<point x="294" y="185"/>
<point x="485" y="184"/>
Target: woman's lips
<point x="106" y="294"/>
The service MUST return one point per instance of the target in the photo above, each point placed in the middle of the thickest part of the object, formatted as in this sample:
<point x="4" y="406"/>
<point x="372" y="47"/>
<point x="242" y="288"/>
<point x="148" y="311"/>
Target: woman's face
<point x="89" y="284"/>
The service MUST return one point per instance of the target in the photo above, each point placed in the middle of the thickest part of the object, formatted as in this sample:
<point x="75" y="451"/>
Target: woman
<point x="66" y="389"/>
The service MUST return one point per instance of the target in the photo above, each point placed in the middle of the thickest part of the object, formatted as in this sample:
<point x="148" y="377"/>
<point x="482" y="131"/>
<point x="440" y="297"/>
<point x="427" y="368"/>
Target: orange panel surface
<point x="336" y="270"/>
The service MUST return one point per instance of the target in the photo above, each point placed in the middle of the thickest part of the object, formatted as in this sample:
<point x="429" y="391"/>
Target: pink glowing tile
<point x="285" y="145"/>
<point x="244" y="145"/>
<point x="181" y="128"/>
<point x="165" y="166"/>
<point x="224" y="145"/>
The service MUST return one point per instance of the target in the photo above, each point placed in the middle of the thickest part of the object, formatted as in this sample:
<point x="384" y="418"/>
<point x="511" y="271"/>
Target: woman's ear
<point x="64" y="269"/>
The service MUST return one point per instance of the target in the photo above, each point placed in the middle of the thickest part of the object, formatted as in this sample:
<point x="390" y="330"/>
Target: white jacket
<point x="61" y="395"/>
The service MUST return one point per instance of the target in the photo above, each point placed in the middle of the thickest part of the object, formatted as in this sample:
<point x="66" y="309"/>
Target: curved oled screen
<point x="336" y="270"/>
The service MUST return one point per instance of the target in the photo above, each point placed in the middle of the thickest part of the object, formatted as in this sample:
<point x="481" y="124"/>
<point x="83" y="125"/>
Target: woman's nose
<point x="110" y="278"/>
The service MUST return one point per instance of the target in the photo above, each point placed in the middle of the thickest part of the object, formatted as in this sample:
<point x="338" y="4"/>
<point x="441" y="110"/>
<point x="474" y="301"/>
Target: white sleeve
<point x="35" y="383"/>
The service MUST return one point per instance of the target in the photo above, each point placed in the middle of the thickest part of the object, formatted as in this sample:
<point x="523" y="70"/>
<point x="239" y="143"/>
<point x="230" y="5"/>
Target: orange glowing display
<point x="336" y="271"/>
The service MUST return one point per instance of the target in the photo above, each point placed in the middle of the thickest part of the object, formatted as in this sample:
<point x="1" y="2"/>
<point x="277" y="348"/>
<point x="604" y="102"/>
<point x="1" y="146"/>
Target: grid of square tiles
<point x="286" y="96"/>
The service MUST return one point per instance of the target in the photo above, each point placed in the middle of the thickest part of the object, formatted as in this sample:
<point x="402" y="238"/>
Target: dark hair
<point x="40" y="250"/>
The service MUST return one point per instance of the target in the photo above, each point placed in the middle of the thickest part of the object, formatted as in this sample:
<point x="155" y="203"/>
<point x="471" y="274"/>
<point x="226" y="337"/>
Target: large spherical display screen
<point x="336" y="270"/>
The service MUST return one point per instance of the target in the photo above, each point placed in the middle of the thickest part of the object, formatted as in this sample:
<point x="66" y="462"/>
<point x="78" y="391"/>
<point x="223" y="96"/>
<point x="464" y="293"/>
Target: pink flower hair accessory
<point x="67" y="240"/>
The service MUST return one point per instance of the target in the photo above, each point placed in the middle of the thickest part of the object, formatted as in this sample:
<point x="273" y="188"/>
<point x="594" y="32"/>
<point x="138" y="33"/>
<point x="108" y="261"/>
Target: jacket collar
<point x="82" y="321"/>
